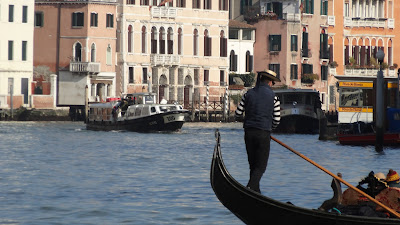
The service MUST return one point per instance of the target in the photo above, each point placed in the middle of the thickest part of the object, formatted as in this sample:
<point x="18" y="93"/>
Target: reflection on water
<point x="58" y="172"/>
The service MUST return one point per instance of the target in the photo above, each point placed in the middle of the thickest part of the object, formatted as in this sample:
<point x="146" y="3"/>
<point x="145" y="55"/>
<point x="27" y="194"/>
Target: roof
<point x="240" y="25"/>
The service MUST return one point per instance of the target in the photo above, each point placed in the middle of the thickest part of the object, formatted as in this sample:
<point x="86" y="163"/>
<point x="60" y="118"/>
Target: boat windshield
<point x="356" y="97"/>
<point x="290" y="98"/>
<point x="167" y="108"/>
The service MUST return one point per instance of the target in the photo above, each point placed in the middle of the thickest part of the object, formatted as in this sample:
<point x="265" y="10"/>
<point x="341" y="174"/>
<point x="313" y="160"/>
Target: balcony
<point x="84" y="67"/>
<point x="369" y="22"/>
<point x="292" y="17"/>
<point x="169" y="60"/>
<point x="163" y="12"/>
<point x="370" y="72"/>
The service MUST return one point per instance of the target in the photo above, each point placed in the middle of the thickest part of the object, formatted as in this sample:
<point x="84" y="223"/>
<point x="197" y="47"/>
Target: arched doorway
<point x="187" y="90"/>
<point x="78" y="52"/>
<point x="163" y="88"/>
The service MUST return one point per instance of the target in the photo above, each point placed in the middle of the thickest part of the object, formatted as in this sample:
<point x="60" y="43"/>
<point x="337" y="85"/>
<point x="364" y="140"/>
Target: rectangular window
<point x="24" y="50"/>
<point x="131" y="75"/>
<point x="324" y="7"/>
<point x="293" y="72"/>
<point x="110" y="21"/>
<point x="10" y="13"/>
<point x="274" y="43"/>
<point x="24" y="14"/>
<point x="308" y="6"/>
<point x="324" y="72"/>
<point x="196" y="74"/>
<point x="206" y="77"/>
<point x="293" y="43"/>
<point x="196" y="4"/>
<point x="233" y="34"/>
<point x="222" y="78"/>
<point x="130" y="2"/>
<point x="246" y="34"/>
<point x="307" y="68"/>
<point x="275" y="7"/>
<point x="346" y="10"/>
<point x="77" y="19"/>
<point x="144" y="2"/>
<point x="207" y="4"/>
<point x="144" y="75"/>
<point x="39" y="19"/>
<point x="181" y="3"/>
<point x="94" y="19"/>
<point x="223" y="5"/>
<point x="276" y="69"/>
<point x="10" y="50"/>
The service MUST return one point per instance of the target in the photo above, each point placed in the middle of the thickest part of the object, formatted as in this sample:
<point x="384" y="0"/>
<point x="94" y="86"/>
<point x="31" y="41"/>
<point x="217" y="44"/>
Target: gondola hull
<point x="254" y="208"/>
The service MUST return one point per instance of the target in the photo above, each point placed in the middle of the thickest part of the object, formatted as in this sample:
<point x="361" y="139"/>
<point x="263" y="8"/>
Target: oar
<point x="338" y="178"/>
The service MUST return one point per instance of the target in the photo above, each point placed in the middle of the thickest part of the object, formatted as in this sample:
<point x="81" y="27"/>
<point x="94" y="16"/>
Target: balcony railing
<point x="84" y="67"/>
<point x="369" y="22"/>
<point x="369" y="72"/>
<point x="292" y="17"/>
<point x="163" y="12"/>
<point x="157" y="59"/>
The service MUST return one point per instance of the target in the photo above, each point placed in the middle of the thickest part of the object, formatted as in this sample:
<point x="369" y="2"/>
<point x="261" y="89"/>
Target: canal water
<point x="61" y="173"/>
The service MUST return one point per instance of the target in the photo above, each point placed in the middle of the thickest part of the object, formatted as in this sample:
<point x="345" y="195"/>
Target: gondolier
<point x="261" y="110"/>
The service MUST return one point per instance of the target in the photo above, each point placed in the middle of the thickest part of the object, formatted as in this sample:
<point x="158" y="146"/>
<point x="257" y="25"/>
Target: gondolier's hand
<point x="238" y="118"/>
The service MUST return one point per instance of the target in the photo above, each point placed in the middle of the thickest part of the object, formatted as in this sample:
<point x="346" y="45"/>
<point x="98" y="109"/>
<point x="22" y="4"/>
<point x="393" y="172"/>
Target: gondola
<point x="254" y="208"/>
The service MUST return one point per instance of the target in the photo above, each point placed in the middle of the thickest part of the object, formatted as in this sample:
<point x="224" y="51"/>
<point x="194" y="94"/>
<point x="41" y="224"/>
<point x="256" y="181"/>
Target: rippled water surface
<point x="61" y="173"/>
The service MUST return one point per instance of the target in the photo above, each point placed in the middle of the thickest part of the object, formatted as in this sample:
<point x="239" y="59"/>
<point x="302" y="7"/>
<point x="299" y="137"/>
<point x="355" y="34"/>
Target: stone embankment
<point x="24" y="114"/>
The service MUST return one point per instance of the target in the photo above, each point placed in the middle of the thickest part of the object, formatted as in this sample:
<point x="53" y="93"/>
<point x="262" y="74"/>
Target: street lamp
<point x="380" y="110"/>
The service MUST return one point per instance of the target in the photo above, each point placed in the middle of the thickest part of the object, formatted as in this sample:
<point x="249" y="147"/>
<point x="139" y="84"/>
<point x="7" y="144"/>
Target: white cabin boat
<point x="136" y="112"/>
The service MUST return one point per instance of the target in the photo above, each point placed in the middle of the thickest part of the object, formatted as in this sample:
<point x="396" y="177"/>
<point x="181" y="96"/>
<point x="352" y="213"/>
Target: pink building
<point x="291" y="39"/>
<point x="76" y="40"/>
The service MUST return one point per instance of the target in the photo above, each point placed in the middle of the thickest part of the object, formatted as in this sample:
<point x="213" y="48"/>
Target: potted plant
<point x="309" y="78"/>
<point x="333" y="64"/>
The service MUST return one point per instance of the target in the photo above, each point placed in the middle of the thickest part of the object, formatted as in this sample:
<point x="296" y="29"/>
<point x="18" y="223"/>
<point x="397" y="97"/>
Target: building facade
<point x="177" y="49"/>
<point x="76" y="39"/>
<point x="16" y="55"/>
<point x="359" y="29"/>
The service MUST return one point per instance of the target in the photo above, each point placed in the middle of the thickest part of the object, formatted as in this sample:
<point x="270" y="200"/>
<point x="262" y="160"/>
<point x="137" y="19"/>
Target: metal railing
<point x="84" y="67"/>
<point x="158" y="59"/>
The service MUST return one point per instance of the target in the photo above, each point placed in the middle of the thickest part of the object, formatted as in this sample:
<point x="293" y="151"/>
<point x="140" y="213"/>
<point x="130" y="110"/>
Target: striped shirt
<point x="258" y="112"/>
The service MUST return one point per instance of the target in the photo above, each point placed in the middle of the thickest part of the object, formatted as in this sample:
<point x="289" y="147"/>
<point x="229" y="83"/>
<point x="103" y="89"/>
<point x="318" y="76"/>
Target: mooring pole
<point x="380" y="110"/>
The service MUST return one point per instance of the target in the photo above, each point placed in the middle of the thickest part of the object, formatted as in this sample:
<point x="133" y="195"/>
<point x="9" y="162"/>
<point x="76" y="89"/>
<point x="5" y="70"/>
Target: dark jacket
<point x="261" y="108"/>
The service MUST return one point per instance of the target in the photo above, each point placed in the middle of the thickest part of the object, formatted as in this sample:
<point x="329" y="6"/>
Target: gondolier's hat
<point x="392" y="176"/>
<point x="271" y="75"/>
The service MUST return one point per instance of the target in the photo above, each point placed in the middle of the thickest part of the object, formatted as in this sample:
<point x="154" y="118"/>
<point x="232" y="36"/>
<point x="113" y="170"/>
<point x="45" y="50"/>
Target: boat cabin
<point x="131" y="106"/>
<point x="357" y="98"/>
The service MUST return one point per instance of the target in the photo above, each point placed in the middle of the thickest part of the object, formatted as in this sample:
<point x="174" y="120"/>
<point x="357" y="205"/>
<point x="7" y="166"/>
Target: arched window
<point x="108" y="56"/>
<point x="207" y="44"/>
<point x="170" y="40"/>
<point x="154" y="40"/>
<point x="232" y="61"/>
<point x="93" y="53"/>
<point x="162" y="40"/>
<point x="130" y="38"/>
<point x="78" y="52"/>
<point x="180" y="41"/>
<point x="223" y="44"/>
<point x="249" y="62"/>
<point x="144" y="39"/>
<point x="195" y="42"/>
